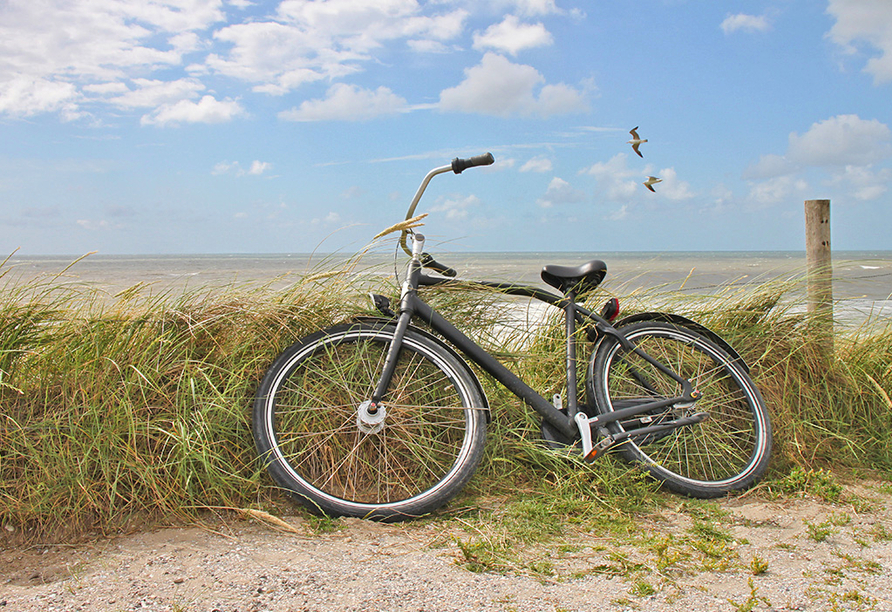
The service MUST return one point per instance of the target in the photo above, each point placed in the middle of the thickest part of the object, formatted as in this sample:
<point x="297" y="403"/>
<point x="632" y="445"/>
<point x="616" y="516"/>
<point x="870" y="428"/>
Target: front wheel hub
<point x="370" y="417"/>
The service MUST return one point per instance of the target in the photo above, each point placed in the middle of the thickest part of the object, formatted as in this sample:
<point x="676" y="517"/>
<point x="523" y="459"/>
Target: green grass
<point x="137" y="406"/>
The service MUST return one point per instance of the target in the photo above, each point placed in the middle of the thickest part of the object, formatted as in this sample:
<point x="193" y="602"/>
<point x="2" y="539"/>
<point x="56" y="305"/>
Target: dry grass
<point x="136" y="404"/>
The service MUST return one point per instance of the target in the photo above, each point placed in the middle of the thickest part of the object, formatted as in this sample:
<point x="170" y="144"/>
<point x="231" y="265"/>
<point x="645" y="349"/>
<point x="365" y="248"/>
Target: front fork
<point x="407" y="310"/>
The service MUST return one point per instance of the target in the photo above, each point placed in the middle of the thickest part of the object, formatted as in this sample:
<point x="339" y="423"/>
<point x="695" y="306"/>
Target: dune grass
<point x="137" y="406"/>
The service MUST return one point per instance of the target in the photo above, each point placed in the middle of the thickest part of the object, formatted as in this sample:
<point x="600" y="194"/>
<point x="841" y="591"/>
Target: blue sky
<point x="230" y="126"/>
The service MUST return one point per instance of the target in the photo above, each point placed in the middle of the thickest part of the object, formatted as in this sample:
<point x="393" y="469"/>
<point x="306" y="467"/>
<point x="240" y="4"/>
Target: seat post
<point x="570" y="312"/>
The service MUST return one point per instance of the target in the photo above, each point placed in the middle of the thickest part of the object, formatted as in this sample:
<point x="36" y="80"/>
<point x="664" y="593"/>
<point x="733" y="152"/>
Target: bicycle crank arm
<point x="591" y="451"/>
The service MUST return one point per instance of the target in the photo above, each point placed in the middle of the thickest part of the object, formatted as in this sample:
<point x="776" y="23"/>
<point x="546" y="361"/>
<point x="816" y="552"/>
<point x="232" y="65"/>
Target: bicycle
<point x="382" y="419"/>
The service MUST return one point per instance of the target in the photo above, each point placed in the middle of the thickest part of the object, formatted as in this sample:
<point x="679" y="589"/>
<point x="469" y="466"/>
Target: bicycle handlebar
<point x="429" y="262"/>
<point x="460" y="165"/>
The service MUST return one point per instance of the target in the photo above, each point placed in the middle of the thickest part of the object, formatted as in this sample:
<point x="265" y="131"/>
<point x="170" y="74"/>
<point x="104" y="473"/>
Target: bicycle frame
<point x="574" y="424"/>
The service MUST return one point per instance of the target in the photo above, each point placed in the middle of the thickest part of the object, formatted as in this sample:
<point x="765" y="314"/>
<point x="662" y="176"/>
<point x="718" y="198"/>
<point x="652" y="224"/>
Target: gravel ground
<point x="249" y="566"/>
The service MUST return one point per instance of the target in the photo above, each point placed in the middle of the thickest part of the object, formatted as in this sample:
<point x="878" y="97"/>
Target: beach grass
<point x="121" y="409"/>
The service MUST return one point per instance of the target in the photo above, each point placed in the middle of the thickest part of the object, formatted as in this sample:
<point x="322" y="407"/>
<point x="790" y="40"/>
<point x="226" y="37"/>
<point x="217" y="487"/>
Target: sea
<point x="862" y="280"/>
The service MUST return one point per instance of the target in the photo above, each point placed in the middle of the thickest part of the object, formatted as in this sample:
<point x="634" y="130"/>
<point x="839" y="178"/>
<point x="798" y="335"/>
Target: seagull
<point x="652" y="180"/>
<point x="636" y="140"/>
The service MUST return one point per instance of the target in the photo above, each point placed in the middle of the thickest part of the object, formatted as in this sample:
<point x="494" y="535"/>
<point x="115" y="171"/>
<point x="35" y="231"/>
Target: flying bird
<point x="636" y="141"/>
<point x="651" y="181"/>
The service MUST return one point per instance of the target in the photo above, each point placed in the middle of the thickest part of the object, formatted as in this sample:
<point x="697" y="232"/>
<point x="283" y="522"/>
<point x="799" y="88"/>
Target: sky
<point x="232" y="126"/>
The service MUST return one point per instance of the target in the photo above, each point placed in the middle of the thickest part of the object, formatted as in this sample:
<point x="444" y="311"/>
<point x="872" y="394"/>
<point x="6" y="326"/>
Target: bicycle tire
<point x="419" y="456"/>
<point x="728" y="451"/>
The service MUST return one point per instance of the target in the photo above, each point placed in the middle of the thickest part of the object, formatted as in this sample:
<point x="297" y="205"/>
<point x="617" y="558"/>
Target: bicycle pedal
<point x="599" y="449"/>
<point x="591" y="451"/>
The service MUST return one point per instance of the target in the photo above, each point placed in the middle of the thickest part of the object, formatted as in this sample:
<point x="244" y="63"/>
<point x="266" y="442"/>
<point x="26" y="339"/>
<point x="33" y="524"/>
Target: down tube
<point x="495" y="369"/>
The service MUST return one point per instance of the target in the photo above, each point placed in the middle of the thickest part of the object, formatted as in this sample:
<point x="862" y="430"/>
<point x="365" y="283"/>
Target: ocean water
<point x="862" y="279"/>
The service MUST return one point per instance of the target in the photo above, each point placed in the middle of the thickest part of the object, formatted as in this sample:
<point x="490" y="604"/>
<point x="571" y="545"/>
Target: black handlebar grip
<point x="429" y="262"/>
<point x="458" y="165"/>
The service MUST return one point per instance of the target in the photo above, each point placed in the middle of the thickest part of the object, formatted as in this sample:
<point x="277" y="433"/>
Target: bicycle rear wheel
<point x="727" y="451"/>
<point x="318" y="439"/>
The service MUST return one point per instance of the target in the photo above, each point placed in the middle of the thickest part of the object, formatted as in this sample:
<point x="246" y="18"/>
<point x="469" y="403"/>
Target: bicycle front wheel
<point x="727" y="451"/>
<point x="319" y="440"/>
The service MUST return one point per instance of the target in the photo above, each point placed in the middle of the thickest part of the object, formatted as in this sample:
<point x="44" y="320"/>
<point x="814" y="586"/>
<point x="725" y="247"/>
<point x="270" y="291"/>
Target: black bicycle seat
<point x="579" y="279"/>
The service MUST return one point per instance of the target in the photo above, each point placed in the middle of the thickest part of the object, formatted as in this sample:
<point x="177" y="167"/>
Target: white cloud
<point x="839" y="141"/>
<point x="615" y="180"/>
<point x="100" y="225"/>
<point x="618" y="183"/>
<point x="846" y="145"/>
<point x="512" y="36"/>
<point x="78" y="56"/>
<point x="24" y="97"/>
<point x="863" y="182"/>
<point x="60" y="57"/>
<point x="768" y="166"/>
<point x="428" y="46"/>
<point x="150" y="93"/>
<point x="537" y="164"/>
<point x="777" y="190"/>
<point x="206" y="110"/>
<point x="499" y="87"/>
<point x="48" y="51"/>
<point x="560" y="99"/>
<point x="722" y="200"/>
<point x="332" y="218"/>
<point x="279" y="56"/>
<point x="531" y="7"/>
<point x="619" y="214"/>
<point x="745" y="23"/>
<point x="456" y="208"/>
<point x="310" y="41"/>
<point x="348" y="103"/>
<point x="352" y="193"/>
<point x="360" y="25"/>
<point x="226" y="167"/>
<point x="560" y="192"/>
<point x="867" y="22"/>
<point x="259" y="167"/>
<point x="672" y="187"/>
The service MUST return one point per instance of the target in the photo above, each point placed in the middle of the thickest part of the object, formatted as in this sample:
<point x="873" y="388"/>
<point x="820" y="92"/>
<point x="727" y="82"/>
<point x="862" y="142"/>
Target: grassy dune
<point x="115" y="409"/>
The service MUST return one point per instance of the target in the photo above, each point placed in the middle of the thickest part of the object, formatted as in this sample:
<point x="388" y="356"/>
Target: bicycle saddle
<point x="580" y="278"/>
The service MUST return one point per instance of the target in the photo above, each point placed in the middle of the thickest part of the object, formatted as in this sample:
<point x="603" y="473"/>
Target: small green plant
<point x="714" y="544"/>
<point x="709" y="531"/>
<point x="881" y="533"/>
<point x="323" y="524"/>
<point x="818" y="483"/>
<point x="669" y="552"/>
<point x="541" y="567"/>
<point x="819" y="531"/>
<point x="752" y="601"/>
<point x="642" y="588"/>
<point x="839" y="519"/>
<point x="758" y="565"/>
<point x="851" y="600"/>
<point x="858" y="564"/>
<point x="481" y="556"/>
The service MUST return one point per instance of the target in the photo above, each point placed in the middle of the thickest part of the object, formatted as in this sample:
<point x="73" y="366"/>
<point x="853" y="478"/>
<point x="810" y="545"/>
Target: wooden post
<point x="820" y="271"/>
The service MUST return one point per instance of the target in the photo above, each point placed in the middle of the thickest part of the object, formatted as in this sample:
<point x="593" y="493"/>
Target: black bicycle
<point x="382" y="419"/>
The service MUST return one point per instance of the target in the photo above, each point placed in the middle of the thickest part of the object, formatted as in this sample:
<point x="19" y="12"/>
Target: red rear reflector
<point x="610" y="310"/>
